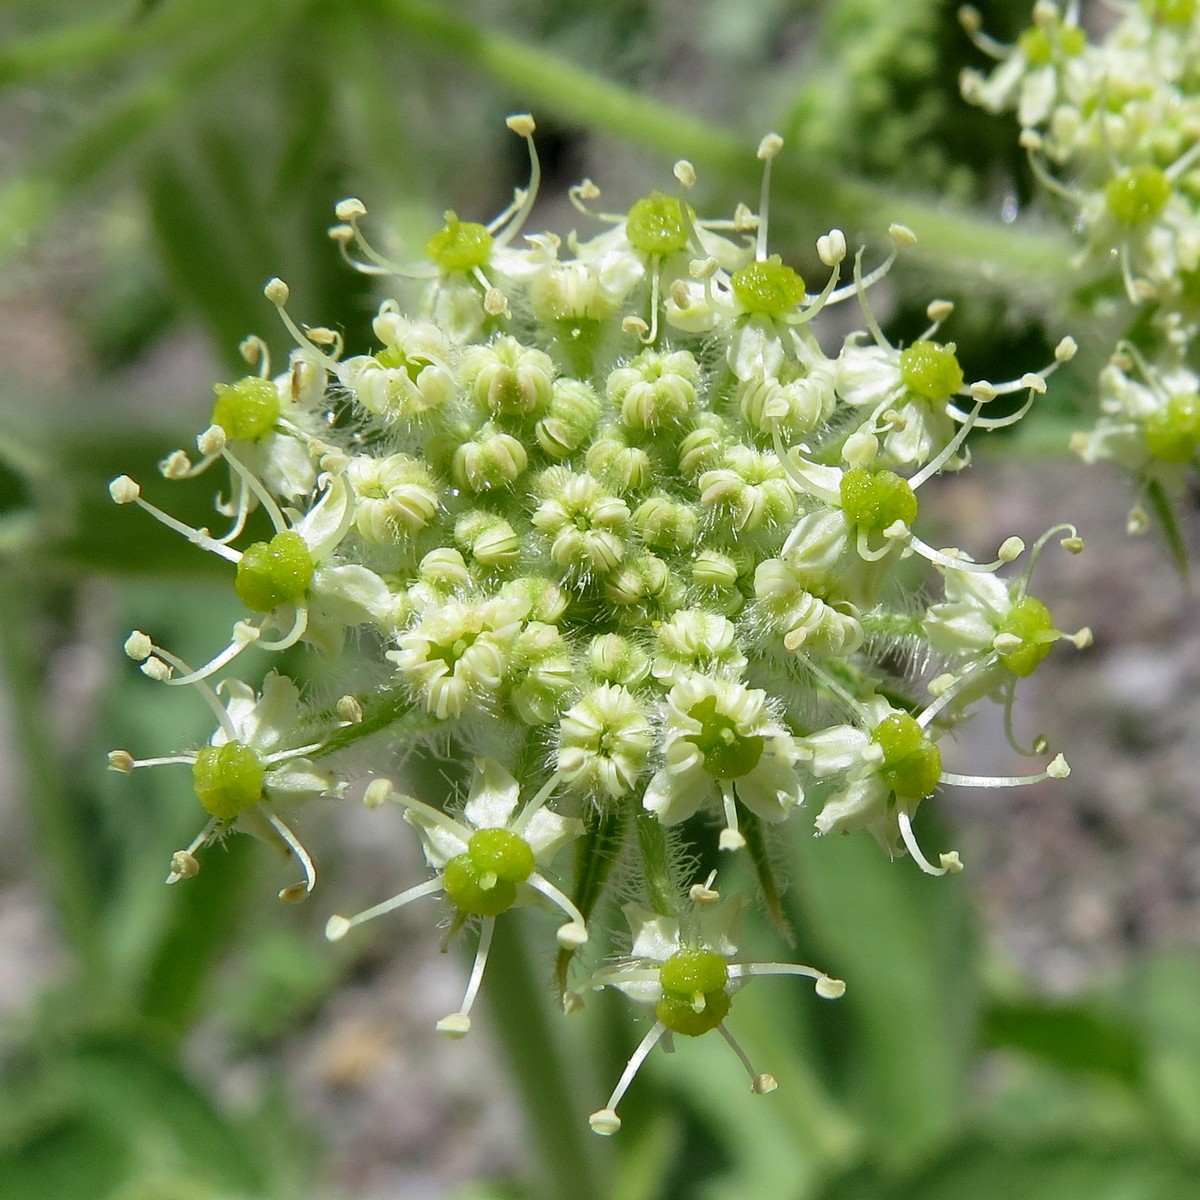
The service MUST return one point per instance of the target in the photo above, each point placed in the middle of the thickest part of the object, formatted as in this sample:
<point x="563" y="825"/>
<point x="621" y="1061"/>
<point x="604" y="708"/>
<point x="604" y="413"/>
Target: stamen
<point x="544" y="794"/>
<point x="956" y="562"/>
<point x="950" y="862"/>
<point x="295" y="891"/>
<point x="768" y="149"/>
<point x="255" y="485"/>
<point x="819" y="301"/>
<point x="522" y="125"/>
<point x="210" y="697"/>
<point x="760" y="1085"/>
<point x="1057" y="768"/>
<point x="826" y="986"/>
<point x="244" y="634"/>
<point x="572" y="935"/>
<point x="860" y="291"/>
<point x="731" y="838"/>
<point x="605" y="1120"/>
<point x="183" y="862"/>
<point x="459" y="1024"/>
<point x="951" y="448"/>
<point x="124" y="490"/>
<point x="293" y="635"/>
<point x="434" y="816"/>
<point x="276" y="291"/>
<point x="337" y="927"/>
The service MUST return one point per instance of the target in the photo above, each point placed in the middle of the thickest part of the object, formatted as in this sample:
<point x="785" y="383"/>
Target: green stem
<point x="385" y="711"/>
<point x="656" y="865"/>
<point x="556" y="1121"/>
<point x="57" y="824"/>
<point x="966" y="246"/>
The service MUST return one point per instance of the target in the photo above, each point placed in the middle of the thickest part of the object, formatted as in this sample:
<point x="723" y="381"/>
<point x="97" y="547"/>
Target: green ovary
<point x="460" y="245"/>
<point x="930" y="370"/>
<point x="694" y="998"/>
<point x="274" y="573"/>
<point x="246" y="409"/>
<point x="727" y="753"/>
<point x="873" y="500"/>
<point x="1173" y="434"/>
<point x="912" y="764"/>
<point x="769" y="287"/>
<point x="1138" y="195"/>
<point x="227" y="779"/>
<point x="658" y="224"/>
<point x="1030" y="620"/>
<point x="483" y="881"/>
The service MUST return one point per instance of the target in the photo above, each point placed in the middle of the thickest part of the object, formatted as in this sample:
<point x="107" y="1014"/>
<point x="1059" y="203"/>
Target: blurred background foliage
<point x="160" y="160"/>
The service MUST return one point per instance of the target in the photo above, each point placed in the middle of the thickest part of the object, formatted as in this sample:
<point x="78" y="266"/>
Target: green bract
<point x="460" y="245"/>
<point x="275" y="572"/>
<point x="931" y="370"/>
<point x="912" y="764"/>
<point x="1030" y="620"/>
<point x="246" y="409"/>
<point x="1173" y="434"/>
<point x="227" y="779"/>
<point x="659" y="224"/>
<point x="694" y="998"/>
<point x="875" y="500"/>
<point x="770" y="287"/>
<point x="1137" y="195"/>
<point x="727" y="753"/>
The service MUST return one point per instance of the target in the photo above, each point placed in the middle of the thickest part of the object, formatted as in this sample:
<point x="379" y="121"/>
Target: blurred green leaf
<point x="76" y="1156"/>
<point x="127" y="1113"/>
<point x="980" y="1169"/>
<point x="1070" y="1037"/>
<point x="901" y="1038"/>
<point x="1167" y="990"/>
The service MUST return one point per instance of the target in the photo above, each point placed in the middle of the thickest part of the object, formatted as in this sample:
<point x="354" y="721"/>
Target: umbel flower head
<point x="1109" y="129"/>
<point x="619" y="534"/>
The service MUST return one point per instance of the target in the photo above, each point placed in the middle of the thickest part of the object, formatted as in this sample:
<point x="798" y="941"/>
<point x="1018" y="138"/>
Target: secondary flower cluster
<point x="620" y="539"/>
<point x="1112" y="129"/>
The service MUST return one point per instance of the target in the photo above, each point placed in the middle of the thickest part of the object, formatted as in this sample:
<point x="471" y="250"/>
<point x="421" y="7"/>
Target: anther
<point x="184" y="865"/>
<point x="350" y="710"/>
<point x="277" y="292"/>
<point x="176" y="465"/>
<point x="770" y="147"/>
<point x="212" y="440"/>
<point x="120" y="760"/>
<point x="156" y="669"/>
<point x="831" y="247"/>
<point x="902" y="235"/>
<point x="350" y="209"/>
<point x="939" y="310"/>
<point x="124" y="490"/>
<point x="377" y="793"/>
<point x="138" y="646"/>
<point x="685" y="173"/>
<point x="522" y="124"/>
<point x="1010" y="549"/>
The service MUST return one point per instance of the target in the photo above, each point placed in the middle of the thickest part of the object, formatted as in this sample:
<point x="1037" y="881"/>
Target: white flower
<point x="683" y="967"/>
<point x="487" y="860"/>
<point x="723" y="743"/>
